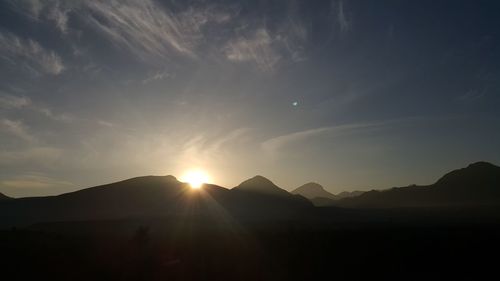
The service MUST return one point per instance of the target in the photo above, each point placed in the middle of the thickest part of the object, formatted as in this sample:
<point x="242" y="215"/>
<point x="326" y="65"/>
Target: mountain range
<point x="476" y="185"/>
<point x="256" y="199"/>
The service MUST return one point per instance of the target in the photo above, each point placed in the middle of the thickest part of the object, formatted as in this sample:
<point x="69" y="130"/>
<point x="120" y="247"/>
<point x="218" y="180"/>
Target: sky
<point x="354" y="95"/>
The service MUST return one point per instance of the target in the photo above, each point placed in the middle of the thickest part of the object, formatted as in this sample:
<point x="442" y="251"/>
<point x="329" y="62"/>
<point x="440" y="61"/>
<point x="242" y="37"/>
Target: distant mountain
<point x="313" y="190"/>
<point x="162" y="196"/>
<point x="320" y="197"/>
<point x="347" y="194"/>
<point x="476" y="185"/>
<point x="4" y="197"/>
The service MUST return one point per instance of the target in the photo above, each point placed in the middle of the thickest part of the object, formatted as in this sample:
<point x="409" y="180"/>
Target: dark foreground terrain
<point x="201" y="249"/>
<point x="158" y="228"/>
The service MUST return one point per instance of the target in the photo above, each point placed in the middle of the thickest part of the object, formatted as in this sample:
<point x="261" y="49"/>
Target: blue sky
<point x="350" y="94"/>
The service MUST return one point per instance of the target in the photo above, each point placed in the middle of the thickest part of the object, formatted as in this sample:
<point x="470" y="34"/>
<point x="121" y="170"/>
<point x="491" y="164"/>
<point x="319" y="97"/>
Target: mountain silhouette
<point x="145" y="197"/>
<point x="313" y="190"/>
<point x="262" y="185"/>
<point x="256" y="199"/>
<point x="476" y="185"/>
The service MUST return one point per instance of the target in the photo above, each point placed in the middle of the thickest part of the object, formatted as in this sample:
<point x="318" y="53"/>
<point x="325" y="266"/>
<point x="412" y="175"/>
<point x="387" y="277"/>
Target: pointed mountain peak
<point x="313" y="190"/>
<point x="261" y="184"/>
<point x="258" y="180"/>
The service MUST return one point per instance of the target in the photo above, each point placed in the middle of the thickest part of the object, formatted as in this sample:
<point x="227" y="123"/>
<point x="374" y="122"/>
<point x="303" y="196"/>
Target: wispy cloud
<point x="17" y="129"/>
<point x="51" y="10"/>
<point x="34" y="181"/>
<point x="30" y="8"/>
<point x="59" y="15"/>
<point x="204" y="148"/>
<point x="269" y="48"/>
<point x="294" y="38"/>
<point x="154" y="32"/>
<point x="10" y="102"/>
<point x="157" y="76"/>
<point x="272" y="145"/>
<point x="30" y="54"/>
<point x="35" y="155"/>
<point x="257" y="48"/>
<point x="34" y="184"/>
<point x="147" y="29"/>
<point x="339" y="12"/>
<point x="472" y="95"/>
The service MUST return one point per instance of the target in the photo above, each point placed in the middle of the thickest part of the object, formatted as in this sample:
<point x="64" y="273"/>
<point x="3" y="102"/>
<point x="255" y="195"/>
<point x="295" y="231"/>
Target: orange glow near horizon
<point x="195" y="178"/>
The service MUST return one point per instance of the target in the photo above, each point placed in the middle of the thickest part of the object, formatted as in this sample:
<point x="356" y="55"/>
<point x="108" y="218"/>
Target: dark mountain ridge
<point x="161" y="196"/>
<point x="476" y="185"/>
<point x="257" y="199"/>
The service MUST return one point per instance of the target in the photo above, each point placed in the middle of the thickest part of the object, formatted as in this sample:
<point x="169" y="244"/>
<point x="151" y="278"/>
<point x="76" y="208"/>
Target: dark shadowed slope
<point x="4" y="197"/>
<point x="313" y="190"/>
<point x="476" y="185"/>
<point x="133" y="197"/>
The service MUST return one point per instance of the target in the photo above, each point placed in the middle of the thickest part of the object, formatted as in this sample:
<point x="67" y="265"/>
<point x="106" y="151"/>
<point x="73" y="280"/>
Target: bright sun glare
<point x="195" y="178"/>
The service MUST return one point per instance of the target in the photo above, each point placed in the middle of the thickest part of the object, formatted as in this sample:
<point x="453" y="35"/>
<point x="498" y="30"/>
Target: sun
<point x="195" y="178"/>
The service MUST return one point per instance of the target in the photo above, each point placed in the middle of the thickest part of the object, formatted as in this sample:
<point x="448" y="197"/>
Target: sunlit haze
<point x="195" y="178"/>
